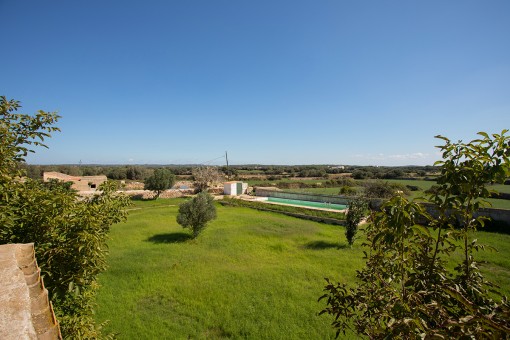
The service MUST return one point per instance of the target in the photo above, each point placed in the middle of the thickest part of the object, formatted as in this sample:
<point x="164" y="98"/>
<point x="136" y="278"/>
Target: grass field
<point x="250" y="275"/>
<point x="266" y="182"/>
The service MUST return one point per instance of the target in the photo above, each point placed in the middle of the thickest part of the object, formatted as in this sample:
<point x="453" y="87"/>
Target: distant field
<point x="250" y="275"/>
<point x="263" y="182"/>
<point x="323" y="191"/>
<point x="423" y="185"/>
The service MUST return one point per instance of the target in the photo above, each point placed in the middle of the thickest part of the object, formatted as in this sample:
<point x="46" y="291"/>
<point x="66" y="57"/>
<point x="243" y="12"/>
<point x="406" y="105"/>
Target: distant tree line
<point x="372" y="172"/>
<point x="273" y="172"/>
<point x="116" y="172"/>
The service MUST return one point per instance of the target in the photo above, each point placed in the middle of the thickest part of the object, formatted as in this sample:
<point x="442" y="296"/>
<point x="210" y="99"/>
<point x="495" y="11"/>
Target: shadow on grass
<point x="169" y="238"/>
<point x="319" y="245"/>
<point x="141" y="197"/>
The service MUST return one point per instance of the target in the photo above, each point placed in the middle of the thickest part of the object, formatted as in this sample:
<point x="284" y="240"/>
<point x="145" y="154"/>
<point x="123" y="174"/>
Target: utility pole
<point x="226" y="158"/>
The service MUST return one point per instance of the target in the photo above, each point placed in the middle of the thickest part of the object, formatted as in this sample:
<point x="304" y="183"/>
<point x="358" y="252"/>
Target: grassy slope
<point x="251" y="274"/>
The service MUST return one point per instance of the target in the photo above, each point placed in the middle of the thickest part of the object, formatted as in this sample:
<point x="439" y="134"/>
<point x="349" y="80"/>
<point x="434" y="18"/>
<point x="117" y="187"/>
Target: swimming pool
<point x="333" y="206"/>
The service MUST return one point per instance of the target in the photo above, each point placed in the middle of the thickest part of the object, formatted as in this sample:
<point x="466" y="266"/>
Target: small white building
<point x="235" y="188"/>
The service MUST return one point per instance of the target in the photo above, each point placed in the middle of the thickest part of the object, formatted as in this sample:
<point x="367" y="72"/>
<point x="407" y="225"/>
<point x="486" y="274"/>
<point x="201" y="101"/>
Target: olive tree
<point x="196" y="213"/>
<point x="159" y="181"/>
<point x="69" y="233"/>
<point x="407" y="288"/>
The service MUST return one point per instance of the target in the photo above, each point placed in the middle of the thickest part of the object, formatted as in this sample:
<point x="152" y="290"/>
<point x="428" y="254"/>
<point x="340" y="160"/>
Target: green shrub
<point x="383" y="189"/>
<point x="347" y="191"/>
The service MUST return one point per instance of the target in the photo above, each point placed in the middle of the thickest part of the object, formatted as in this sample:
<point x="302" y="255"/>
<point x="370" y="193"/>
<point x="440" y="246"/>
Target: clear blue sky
<point x="272" y="82"/>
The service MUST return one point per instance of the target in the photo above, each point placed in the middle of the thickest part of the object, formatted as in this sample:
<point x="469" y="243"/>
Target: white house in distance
<point x="235" y="188"/>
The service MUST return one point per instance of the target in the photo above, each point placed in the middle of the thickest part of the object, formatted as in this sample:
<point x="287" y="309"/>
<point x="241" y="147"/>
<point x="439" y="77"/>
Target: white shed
<point x="235" y="188"/>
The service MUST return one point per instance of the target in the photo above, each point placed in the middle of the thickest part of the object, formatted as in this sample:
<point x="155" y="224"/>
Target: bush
<point x="382" y="189"/>
<point x="361" y="174"/>
<point x="348" y="191"/>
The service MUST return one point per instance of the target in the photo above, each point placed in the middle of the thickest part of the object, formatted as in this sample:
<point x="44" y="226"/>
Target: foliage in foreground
<point x="69" y="233"/>
<point x="406" y="289"/>
<point x="197" y="212"/>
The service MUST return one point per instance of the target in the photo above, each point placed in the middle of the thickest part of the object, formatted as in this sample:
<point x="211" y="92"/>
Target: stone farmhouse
<point x="80" y="183"/>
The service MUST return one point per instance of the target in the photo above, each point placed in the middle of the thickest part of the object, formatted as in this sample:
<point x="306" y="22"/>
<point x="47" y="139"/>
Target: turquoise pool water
<point x="307" y="203"/>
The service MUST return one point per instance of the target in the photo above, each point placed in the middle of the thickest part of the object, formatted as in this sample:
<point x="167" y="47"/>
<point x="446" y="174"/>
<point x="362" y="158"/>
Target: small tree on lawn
<point x="160" y="180"/>
<point x="355" y="213"/>
<point x="196" y="213"/>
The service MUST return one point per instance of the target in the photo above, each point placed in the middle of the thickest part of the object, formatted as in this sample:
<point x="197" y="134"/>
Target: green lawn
<point x="250" y="274"/>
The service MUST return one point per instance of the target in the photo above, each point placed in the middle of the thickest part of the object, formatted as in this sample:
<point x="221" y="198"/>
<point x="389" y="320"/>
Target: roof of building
<point x="26" y="311"/>
<point x="65" y="177"/>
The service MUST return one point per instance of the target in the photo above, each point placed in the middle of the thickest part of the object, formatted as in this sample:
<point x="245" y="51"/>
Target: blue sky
<point x="271" y="82"/>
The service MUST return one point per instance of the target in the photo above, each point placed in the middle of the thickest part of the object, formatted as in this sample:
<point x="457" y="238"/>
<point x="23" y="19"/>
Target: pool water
<point x="333" y="206"/>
